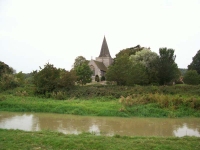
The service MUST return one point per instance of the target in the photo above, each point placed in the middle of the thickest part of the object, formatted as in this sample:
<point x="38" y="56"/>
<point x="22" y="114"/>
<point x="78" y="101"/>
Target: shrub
<point x="8" y="81"/>
<point x="58" y="95"/>
<point x="191" y="77"/>
<point x="103" y="78"/>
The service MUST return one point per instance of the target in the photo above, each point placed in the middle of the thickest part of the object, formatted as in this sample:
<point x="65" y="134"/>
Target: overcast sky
<point x="34" y="32"/>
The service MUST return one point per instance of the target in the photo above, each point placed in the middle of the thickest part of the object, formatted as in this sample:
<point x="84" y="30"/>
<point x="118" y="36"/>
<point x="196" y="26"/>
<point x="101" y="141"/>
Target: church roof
<point x="104" y="49"/>
<point x="100" y="65"/>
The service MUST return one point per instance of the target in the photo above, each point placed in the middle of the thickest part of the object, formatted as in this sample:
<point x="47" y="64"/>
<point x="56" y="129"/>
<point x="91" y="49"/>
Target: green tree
<point x="147" y="59"/>
<point x="79" y="61"/>
<point x="46" y="79"/>
<point x="191" y="77"/>
<point x="167" y="68"/>
<point x="195" y="64"/>
<point x="137" y="75"/>
<point x="21" y="77"/>
<point x="84" y="73"/>
<point x="119" y="70"/>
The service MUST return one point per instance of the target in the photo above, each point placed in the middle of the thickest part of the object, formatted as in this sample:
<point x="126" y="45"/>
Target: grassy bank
<point x="142" y="106"/>
<point x="16" y="139"/>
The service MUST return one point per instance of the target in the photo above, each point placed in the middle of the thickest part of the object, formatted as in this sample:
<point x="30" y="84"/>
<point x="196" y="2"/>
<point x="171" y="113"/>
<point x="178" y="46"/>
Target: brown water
<point x="70" y="124"/>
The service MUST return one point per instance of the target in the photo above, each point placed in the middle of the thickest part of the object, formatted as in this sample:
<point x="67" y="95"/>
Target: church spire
<point x="104" y="49"/>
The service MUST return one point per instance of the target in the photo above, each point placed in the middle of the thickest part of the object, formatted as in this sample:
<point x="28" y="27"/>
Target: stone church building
<point x="100" y="64"/>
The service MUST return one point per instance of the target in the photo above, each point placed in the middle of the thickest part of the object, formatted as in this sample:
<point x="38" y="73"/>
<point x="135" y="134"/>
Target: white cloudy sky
<point x="34" y="32"/>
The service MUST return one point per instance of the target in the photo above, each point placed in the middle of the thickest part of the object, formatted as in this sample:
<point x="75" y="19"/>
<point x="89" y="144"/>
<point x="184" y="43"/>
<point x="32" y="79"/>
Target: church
<point x="100" y="65"/>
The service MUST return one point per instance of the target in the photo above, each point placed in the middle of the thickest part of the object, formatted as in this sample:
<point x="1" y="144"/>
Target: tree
<point x="79" y="61"/>
<point x="195" y="64"/>
<point x="46" y="79"/>
<point x="5" y="69"/>
<point x="137" y="75"/>
<point x="83" y="73"/>
<point x="119" y="70"/>
<point x="148" y="60"/>
<point x="191" y="77"/>
<point x="67" y="79"/>
<point x="167" y="68"/>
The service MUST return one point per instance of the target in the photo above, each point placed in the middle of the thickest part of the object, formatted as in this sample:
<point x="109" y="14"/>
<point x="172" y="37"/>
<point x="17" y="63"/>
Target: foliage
<point x="67" y="79"/>
<point x="167" y="68"/>
<point x="83" y="73"/>
<point x="8" y="81"/>
<point x="46" y="79"/>
<point x="97" y="78"/>
<point x="147" y="59"/>
<point x="103" y="78"/>
<point x="79" y="61"/>
<point x="192" y="77"/>
<point x="5" y="69"/>
<point x="137" y="75"/>
<point x="195" y="64"/>
<point x="21" y="77"/>
<point x="119" y="70"/>
<point x="129" y="51"/>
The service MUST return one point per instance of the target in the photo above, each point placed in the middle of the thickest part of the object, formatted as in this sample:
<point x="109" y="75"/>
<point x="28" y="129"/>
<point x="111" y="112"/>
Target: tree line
<point x="136" y="65"/>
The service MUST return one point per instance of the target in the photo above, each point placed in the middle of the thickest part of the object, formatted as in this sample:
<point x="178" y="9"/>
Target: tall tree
<point x="195" y="64"/>
<point x="119" y="70"/>
<point x="79" y="61"/>
<point x="167" y="68"/>
<point x="84" y="73"/>
<point x="147" y="59"/>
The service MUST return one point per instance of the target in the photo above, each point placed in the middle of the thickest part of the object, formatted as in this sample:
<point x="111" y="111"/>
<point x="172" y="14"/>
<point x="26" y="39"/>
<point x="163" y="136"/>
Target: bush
<point x="191" y="77"/>
<point x="8" y="81"/>
<point x="103" y="78"/>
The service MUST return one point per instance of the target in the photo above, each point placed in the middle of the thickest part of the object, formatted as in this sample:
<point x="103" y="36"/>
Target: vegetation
<point x="192" y="77"/>
<point x="167" y="68"/>
<point x="141" y="66"/>
<point x="82" y="70"/>
<point x="195" y="64"/>
<point x="144" y="105"/>
<point x="49" y="78"/>
<point x="56" y="140"/>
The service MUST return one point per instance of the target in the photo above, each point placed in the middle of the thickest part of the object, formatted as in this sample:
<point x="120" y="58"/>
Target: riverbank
<point x="147" y="106"/>
<point x="16" y="139"/>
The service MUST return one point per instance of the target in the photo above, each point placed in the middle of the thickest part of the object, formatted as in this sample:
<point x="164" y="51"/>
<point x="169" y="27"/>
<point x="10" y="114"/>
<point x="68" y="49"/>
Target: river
<point x="71" y="124"/>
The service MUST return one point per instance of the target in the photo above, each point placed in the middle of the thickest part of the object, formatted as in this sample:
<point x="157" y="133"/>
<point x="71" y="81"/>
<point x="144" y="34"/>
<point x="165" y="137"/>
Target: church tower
<point x="104" y="55"/>
<point x="100" y="65"/>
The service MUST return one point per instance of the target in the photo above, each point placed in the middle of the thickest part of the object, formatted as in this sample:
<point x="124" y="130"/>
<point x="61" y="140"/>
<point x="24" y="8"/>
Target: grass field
<point x="141" y="107"/>
<point x="16" y="139"/>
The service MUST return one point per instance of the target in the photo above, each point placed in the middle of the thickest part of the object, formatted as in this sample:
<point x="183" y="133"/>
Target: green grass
<point x="16" y="139"/>
<point x="93" y="107"/>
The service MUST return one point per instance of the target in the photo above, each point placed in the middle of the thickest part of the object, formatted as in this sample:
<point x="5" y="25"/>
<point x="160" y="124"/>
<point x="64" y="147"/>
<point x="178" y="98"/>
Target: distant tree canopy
<point x="82" y="70"/>
<point x="139" y="65"/>
<point x="195" y="64"/>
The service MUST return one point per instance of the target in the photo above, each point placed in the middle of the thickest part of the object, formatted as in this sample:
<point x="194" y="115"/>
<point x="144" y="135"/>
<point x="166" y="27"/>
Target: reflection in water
<point x="69" y="124"/>
<point x="186" y="131"/>
<point x="94" y="129"/>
